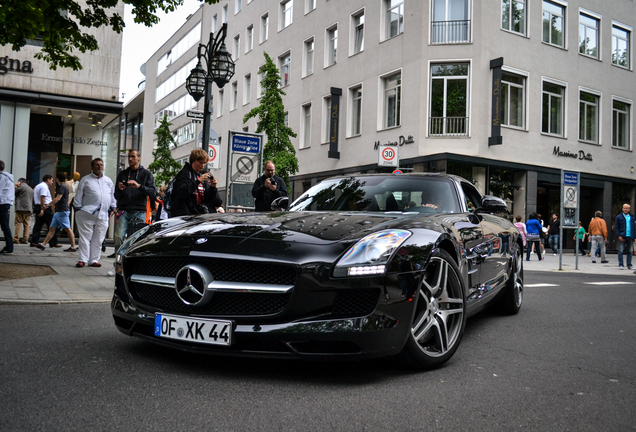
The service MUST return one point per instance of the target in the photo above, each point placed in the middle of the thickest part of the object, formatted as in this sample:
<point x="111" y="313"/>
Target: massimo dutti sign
<point x="13" y="65"/>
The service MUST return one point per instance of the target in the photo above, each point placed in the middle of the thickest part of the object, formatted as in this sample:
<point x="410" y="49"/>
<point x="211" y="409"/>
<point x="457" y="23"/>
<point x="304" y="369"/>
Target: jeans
<point x="626" y="248"/>
<point x="554" y="243"/>
<point x="122" y="225"/>
<point x="537" y="248"/>
<point x="6" y="229"/>
<point x="598" y="243"/>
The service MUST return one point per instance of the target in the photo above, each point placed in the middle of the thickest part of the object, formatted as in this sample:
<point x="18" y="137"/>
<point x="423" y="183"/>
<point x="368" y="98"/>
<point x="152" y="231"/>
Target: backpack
<point x="167" y="197"/>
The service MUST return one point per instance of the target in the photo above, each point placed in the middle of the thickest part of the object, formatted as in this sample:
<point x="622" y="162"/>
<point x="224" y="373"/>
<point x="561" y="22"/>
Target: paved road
<point x="565" y="362"/>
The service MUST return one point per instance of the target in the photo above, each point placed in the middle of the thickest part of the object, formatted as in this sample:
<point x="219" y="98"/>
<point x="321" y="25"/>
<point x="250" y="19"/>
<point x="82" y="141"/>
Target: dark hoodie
<point x="132" y="199"/>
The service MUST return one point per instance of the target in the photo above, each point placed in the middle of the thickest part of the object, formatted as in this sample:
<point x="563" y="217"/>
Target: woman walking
<point x="533" y="235"/>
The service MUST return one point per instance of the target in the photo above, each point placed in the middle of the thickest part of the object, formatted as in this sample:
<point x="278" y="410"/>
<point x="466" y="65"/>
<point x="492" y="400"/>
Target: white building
<point x="424" y="75"/>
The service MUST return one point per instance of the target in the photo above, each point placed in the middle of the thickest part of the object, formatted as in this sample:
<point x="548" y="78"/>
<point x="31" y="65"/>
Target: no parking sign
<point x="388" y="156"/>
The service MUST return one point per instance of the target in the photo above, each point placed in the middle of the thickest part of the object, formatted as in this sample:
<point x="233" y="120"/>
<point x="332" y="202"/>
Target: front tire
<point x="440" y="314"/>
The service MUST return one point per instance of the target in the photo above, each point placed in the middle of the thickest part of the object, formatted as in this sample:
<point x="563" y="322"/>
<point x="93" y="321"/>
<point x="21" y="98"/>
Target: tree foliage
<point x="164" y="167"/>
<point x="271" y="121"/>
<point x="60" y="25"/>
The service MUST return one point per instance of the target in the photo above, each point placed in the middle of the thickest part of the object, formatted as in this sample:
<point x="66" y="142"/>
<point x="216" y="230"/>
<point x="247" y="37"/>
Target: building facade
<point x="506" y="93"/>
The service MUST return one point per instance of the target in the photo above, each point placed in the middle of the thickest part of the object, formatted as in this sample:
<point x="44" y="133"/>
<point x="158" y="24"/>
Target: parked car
<point x="358" y="267"/>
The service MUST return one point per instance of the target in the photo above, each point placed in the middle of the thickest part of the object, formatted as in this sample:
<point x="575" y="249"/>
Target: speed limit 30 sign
<point x="388" y="156"/>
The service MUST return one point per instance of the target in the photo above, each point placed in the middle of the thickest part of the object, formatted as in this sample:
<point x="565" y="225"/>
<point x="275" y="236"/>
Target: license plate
<point x="202" y="330"/>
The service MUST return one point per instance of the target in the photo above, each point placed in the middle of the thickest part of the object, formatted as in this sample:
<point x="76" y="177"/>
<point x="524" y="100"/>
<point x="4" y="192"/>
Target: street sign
<point x="388" y="156"/>
<point x="570" y="178"/>
<point x="194" y="114"/>
<point x="245" y="168"/>
<point x="397" y="171"/>
<point x="246" y="144"/>
<point x="570" y="197"/>
<point x="215" y="158"/>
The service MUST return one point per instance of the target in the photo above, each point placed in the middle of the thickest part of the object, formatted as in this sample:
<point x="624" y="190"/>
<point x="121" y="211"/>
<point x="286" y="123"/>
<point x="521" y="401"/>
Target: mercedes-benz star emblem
<point x="191" y="285"/>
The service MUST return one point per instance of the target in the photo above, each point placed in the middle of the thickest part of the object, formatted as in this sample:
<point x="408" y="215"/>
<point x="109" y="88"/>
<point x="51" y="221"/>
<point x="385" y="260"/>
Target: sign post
<point x="570" y="190"/>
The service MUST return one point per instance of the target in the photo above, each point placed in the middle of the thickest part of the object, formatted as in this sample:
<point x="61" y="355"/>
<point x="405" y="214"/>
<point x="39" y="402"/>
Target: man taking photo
<point x="267" y="188"/>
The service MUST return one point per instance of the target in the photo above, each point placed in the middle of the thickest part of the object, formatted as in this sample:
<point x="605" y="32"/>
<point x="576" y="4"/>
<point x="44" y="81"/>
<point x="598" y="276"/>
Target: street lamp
<point x="220" y="69"/>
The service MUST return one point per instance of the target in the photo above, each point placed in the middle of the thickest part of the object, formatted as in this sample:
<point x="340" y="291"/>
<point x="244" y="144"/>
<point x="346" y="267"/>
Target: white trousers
<point x="92" y="231"/>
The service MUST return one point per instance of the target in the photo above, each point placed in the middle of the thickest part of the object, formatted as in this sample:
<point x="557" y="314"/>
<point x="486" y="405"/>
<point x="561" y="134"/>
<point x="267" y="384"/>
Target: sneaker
<point x="111" y="255"/>
<point x="5" y="252"/>
<point x="527" y="259"/>
<point x="554" y="254"/>
<point x="604" y="262"/>
<point x="111" y="273"/>
<point x="593" y="261"/>
<point x="629" y="267"/>
<point x="621" y="268"/>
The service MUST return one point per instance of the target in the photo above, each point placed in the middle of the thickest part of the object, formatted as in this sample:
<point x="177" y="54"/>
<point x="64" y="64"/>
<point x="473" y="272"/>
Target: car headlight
<point x="126" y="245"/>
<point x="370" y="255"/>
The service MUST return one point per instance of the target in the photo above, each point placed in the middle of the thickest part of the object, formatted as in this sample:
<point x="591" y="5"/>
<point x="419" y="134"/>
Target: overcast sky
<point x="140" y="42"/>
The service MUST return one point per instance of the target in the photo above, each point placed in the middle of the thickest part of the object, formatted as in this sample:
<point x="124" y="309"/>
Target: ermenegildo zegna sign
<point x="12" y="65"/>
<point x="74" y="140"/>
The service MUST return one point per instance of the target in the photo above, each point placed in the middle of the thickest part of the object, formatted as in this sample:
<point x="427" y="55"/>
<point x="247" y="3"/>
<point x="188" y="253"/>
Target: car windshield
<point x="394" y="193"/>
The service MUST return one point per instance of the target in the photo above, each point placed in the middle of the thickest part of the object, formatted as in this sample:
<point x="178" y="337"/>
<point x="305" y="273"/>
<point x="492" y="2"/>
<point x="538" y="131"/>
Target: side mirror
<point x="280" y="203"/>
<point x="492" y="204"/>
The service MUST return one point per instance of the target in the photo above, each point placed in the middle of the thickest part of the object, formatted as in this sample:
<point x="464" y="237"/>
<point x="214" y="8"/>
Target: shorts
<point x="61" y="220"/>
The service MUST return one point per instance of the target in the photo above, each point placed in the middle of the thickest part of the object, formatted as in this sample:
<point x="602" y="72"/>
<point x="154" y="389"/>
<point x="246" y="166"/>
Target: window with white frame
<point x="449" y="99"/>
<point x="221" y="103"/>
<point x="175" y="109"/>
<point x="355" y="117"/>
<point x="308" y="58"/>
<point x="180" y="48"/>
<point x="264" y="27"/>
<point x="305" y="126"/>
<point x="326" y="119"/>
<point x="553" y="23"/>
<point x="174" y="81"/>
<point x="553" y="109"/>
<point x="215" y="23"/>
<point x="394" y="17"/>
<point x="513" y="90"/>
<point x="621" y="41"/>
<point x="234" y="95"/>
<point x="513" y="16"/>
<point x="331" y="50"/>
<point x="621" y="119"/>
<point x="224" y="14"/>
<point x="451" y="21"/>
<point x="247" y="89"/>
<point x="284" y="64"/>
<point x="237" y="46"/>
<point x="588" y="35"/>
<point x="391" y="100"/>
<point x="259" y="84"/>
<point x="588" y="117"/>
<point x="309" y="5"/>
<point x="357" y="29"/>
<point x="238" y="5"/>
<point x="184" y="134"/>
<point x="286" y="119"/>
<point x="249" y="42"/>
<point x="286" y="13"/>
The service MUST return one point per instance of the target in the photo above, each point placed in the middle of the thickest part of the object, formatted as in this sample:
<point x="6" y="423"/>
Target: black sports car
<point x="358" y="267"/>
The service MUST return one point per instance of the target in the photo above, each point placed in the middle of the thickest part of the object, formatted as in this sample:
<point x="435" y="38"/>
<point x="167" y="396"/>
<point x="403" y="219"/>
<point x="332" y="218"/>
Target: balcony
<point x="448" y="126"/>
<point x="450" y="32"/>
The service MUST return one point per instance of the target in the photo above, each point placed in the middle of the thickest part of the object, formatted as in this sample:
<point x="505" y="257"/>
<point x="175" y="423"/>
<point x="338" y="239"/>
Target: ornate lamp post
<point x="220" y="69"/>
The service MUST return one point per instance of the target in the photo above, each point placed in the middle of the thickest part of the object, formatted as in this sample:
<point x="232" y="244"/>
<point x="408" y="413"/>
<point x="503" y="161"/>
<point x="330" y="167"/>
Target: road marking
<point x="609" y="283"/>
<point x="540" y="285"/>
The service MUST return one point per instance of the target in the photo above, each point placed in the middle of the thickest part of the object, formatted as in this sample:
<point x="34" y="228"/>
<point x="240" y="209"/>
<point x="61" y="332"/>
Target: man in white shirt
<point x="7" y="195"/>
<point x="42" y="211"/>
<point x="94" y="203"/>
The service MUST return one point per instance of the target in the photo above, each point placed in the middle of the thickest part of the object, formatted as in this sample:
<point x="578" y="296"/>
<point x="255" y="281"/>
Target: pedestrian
<point x="134" y="187"/>
<point x="61" y="219"/>
<point x="554" y="232"/>
<point x="522" y="229"/>
<point x="94" y="204"/>
<point x="625" y="229"/>
<point x="581" y="239"/>
<point x="23" y="211"/>
<point x="267" y="188"/>
<point x="195" y="189"/>
<point x="161" y="213"/>
<point x="598" y="233"/>
<point x="533" y="235"/>
<point x="43" y="211"/>
<point x="7" y="196"/>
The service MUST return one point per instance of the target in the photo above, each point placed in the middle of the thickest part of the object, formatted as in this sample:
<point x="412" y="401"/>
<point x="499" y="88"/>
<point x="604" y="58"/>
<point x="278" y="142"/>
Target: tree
<point x="61" y="24"/>
<point x="164" y="167"/>
<point x="271" y="120"/>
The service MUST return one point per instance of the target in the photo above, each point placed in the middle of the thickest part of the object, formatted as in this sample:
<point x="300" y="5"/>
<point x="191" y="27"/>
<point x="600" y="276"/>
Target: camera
<point x="272" y="181"/>
<point x="125" y="182"/>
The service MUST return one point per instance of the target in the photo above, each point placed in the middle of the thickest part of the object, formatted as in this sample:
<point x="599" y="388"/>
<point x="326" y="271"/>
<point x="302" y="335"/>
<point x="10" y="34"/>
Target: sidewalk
<point x="70" y="285"/>
<point x="568" y="264"/>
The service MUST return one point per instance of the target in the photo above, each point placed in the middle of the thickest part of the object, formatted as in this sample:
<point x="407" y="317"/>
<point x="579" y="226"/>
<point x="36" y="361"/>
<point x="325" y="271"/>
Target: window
<point x="449" y="99"/>
<point x="286" y="119"/>
<point x="309" y="5"/>
<point x="215" y="23"/>
<point x="237" y="46"/>
<point x="355" y="95"/>
<point x="451" y="21"/>
<point x="260" y="90"/>
<point x="284" y="63"/>
<point x="305" y="127"/>
<point x="247" y="89"/>
<point x="588" y="35"/>
<point x="620" y="123"/>
<point x="513" y="16"/>
<point x="513" y="99"/>
<point x="174" y="81"/>
<point x="179" y="49"/>
<point x="620" y="46"/>
<point x="221" y="100"/>
<point x="224" y="14"/>
<point x="331" y="50"/>
<point x="392" y="98"/>
<point x="175" y="109"/>
<point x="394" y="18"/>
<point x="326" y="115"/>
<point x="588" y="117"/>
<point x="309" y="57"/>
<point x="249" y="43"/>
<point x="552" y="111"/>
<point x="286" y="11"/>
<point x="264" y="27"/>
<point x="234" y="95"/>
<point x="357" y="27"/>
<point x="238" y="5"/>
<point x="553" y="24"/>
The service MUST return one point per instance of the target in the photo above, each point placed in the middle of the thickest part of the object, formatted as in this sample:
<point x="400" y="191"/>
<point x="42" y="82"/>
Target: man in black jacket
<point x="267" y="188"/>
<point x="134" y="186"/>
<point x="195" y="193"/>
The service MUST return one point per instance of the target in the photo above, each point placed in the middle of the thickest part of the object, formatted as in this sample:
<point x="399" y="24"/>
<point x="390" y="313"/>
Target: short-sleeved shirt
<point x="40" y="190"/>
<point x="62" y="204"/>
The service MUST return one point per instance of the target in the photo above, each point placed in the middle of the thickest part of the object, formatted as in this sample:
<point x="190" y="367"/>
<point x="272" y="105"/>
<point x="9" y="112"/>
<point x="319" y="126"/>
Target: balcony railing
<point x="448" y="126"/>
<point x="450" y="32"/>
